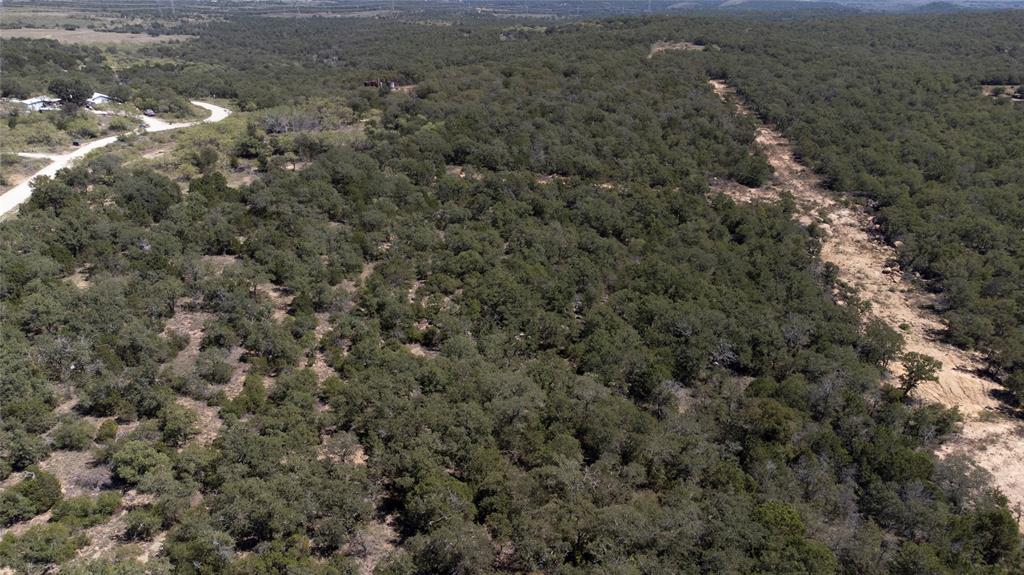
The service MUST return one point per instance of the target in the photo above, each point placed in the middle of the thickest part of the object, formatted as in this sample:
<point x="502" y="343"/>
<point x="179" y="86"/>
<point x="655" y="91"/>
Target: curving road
<point x="17" y="195"/>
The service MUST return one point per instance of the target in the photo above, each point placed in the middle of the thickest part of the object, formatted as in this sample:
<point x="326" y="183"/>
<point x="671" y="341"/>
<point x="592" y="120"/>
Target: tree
<point x="32" y="496"/>
<point x="134" y="459"/>
<point x="205" y="159"/>
<point x="917" y="369"/>
<point x="880" y="343"/>
<point x="73" y="435"/>
<point x="39" y="546"/>
<point x="71" y="90"/>
<point x="177" y="424"/>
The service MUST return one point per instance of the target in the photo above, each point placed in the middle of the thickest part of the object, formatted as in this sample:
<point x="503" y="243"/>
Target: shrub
<point x="42" y="489"/>
<point x="107" y="431"/>
<point x="134" y="459"/>
<point x="85" y="511"/>
<point x="15" y="507"/>
<point x="177" y="424"/>
<point x="73" y="435"/>
<point x="142" y="523"/>
<point x="40" y="545"/>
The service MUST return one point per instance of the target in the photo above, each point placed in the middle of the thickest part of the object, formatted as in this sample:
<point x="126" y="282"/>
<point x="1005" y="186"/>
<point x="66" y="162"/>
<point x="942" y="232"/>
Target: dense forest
<point x="510" y="324"/>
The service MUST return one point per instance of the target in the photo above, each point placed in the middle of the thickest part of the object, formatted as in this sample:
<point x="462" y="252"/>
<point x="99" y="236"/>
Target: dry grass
<point x="19" y="169"/>
<point x="85" y="36"/>
<point x="218" y="264"/>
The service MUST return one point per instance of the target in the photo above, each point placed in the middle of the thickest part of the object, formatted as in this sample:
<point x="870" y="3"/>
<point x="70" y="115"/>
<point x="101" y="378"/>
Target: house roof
<point x="97" y="95"/>
<point x="40" y="100"/>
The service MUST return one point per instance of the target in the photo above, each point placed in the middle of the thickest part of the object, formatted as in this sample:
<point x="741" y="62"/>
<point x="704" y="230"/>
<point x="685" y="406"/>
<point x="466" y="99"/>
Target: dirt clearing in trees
<point x="851" y="242"/>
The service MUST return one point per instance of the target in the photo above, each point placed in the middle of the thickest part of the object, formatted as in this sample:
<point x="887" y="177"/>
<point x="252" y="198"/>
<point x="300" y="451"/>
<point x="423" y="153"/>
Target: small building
<point x="97" y="99"/>
<point x="42" y="103"/>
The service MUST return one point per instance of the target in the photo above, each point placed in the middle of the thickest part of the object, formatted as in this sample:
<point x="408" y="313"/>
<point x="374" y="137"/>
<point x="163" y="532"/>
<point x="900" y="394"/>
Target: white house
<point x="40" y="103"/>
<point x="96" y="99"/>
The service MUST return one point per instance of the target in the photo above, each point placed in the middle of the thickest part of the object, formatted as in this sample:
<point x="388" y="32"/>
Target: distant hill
<point x="785" y="6"/>
<point x="940" y="8"/>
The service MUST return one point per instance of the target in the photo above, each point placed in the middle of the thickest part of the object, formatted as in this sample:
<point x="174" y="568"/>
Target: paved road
<point x="17" y="195"/>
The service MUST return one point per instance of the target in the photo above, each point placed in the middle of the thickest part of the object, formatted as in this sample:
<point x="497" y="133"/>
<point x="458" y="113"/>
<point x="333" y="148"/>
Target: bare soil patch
<point x="78" y="471"/>
<point x="1007" y="91"/>
<point x="277" y="296"/>
<point x="318" y="363"/>
<point x="241" y="176"/>
<point x="208" y="421"/>
<point x="80" y="279"/>
<point x="996" y="446"/>
<point x="218" y="264"/>
<point x="864" y="262"/>
<point x="22" y="168"/>
<point x="157" y="152"/>
<point x="189" y="324"/>
<point x="420" y="351"/>
<point x="21" y="528"/>
<point x="105" y="539"/>
<point x="239" y="371"/>
<point x="374" y="543"/>
<point x="659" y="47"/>
<point x="86" y="36"/>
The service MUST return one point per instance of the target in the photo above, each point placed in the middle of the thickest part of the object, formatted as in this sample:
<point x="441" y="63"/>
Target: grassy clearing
<point x="14" y="169"/>
<point x="86" y="36"/>
<point x="54" y="131"/>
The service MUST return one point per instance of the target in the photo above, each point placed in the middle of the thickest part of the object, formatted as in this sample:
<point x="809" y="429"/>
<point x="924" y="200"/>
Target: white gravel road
<point x="17" y="195"/>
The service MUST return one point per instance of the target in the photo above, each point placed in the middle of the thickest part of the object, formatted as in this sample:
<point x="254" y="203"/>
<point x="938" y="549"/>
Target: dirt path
<point x="869" y="265"/>
<point x="20" y="193"/>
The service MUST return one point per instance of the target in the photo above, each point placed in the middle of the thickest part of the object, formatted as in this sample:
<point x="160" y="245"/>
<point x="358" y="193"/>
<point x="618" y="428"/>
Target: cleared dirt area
<point x="208" y="421"/>
<point x="19" y="169"/>
<point x="1008" y="91"/>
<point x="373" y="544"/>
<point x="659" y="47"/>
<point x="277" y="296"/>
<point x="189" y="324"/>
<point x="86" y="36"/>
<point x="851" y="242"/>
<point x="80" y="279"/>
<point x="105" y="539"/>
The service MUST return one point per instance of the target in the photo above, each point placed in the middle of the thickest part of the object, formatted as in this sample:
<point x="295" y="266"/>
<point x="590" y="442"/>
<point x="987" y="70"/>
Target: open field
<point x="88" y="36"/>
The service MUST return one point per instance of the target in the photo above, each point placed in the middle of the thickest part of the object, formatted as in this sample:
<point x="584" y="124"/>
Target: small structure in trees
<point x="42" y="103"/>
<point x="98" y="99"/>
